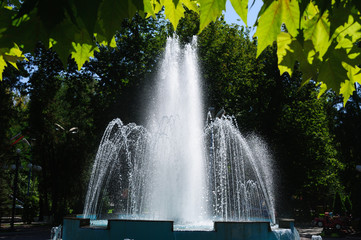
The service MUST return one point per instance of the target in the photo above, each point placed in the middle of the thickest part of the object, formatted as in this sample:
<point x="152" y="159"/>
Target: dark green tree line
<point x="348" y="133"/>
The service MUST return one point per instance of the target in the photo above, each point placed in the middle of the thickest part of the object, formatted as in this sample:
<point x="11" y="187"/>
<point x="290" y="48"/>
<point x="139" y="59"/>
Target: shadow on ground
<point x="35" y="231"/>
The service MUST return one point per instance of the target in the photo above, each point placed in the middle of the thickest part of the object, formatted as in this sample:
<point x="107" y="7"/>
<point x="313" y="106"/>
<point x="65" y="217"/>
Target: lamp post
<point x="15" y="140"/>
<point x="31" y="168"/>
<point x="73" y="130"/>
<point x="15" y="188"/>
<point x="16" y="168"/>
<point x="30" y="164"/>
<point x="61" y="148"/>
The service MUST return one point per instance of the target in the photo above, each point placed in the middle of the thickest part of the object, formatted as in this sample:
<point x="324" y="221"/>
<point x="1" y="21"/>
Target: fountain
<point x="182" y="176"/>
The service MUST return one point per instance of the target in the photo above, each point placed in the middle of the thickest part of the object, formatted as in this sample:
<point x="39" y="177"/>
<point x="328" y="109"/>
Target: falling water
<point x="176" y="168"/>
<point x="239" y="173"/>
<point x="177" y="187"/>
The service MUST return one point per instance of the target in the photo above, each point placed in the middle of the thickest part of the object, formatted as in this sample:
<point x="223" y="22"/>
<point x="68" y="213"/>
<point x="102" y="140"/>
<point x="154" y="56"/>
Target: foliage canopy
<point x="321" y="36"/>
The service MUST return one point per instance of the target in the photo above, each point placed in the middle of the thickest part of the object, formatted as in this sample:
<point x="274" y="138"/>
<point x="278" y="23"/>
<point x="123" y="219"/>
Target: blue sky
<point x="232" y="17"/>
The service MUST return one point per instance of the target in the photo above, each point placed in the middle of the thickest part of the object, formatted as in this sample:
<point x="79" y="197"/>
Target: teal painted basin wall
<point x="75" y="228"/>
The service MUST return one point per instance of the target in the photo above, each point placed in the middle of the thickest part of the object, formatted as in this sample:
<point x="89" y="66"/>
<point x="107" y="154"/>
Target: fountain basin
<point x="77" y="228"/>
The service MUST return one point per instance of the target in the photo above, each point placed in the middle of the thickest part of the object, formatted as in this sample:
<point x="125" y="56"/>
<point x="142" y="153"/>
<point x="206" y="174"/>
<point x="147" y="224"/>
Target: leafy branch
<point x="320" y="36"/>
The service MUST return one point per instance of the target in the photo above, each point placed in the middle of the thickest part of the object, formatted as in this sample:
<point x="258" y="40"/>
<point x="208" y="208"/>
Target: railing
<point x="55" y="233"/>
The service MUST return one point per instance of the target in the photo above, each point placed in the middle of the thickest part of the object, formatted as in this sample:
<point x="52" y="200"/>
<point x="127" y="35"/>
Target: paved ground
<point x="307" y="232"/>
<point x="26" y="232"/>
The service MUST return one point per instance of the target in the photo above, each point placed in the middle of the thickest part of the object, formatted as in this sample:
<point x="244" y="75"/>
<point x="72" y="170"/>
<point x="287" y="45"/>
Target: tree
<point x="61" y="120"/>
<point x="124" y="73"/>
<point x="13" y="104"/>
<point x="248" y="87"/>
<point x="311" y="162"/>
<point x="348" y="132"/>
<point x="231" y="70"/>
<point x="45" y="83"/>
<point x="297" y="125"/>
<point x="73" y="146"/>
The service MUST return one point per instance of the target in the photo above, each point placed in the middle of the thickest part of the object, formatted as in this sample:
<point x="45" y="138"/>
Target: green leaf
<point x="113" y="43"/>
<point x="303" y="6"/>
<point x="148" y="7"/>
<point x="84" y="48"/>
<point x="291" y="16"/>
<point x="26" y="32"/>
<point x="82" y="36"/>
<point x="323" y="89"/>
<point x="175" y="2"/>
<point x="269" y="23"/>
<point x="339" y="17"/>
<point x="351" y="28"/>
<point x="158" y="5"/>
<point x="14" y="55"/>
<point x="2" y="66"/>
<point x="52" y="13"/>
<point x="319" y="33"/>
<point x="323" y="5"/>
<point x="290" y="50"/>
<point x="348" y="87"/>
<point x="139" y="4"/>
<point x="331" y="70"/>
<point x="173" y="13"/>
<point x="346" y="90"/>
<point x="62" y="38"/>
<point x="103" y="41"/>
<point x="82" y="53"/>
<point x="210" y="10"/>
<point x="269" y="26"/>
<point x="11" y="56"/>
<point x="87" y="11"/>
<point x="191" y="5"/>
<point x="241" y="8"/>
<point x="285" y="61"/>
<point x="264" y="7"/>
<point x="310" y="14"/>
<point x="6" y="16"/>
<point x="112" y="12"/>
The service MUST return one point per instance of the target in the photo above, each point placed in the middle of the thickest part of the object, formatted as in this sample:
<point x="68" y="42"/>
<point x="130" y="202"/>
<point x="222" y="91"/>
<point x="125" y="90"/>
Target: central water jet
<point x="177" y="189"/>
